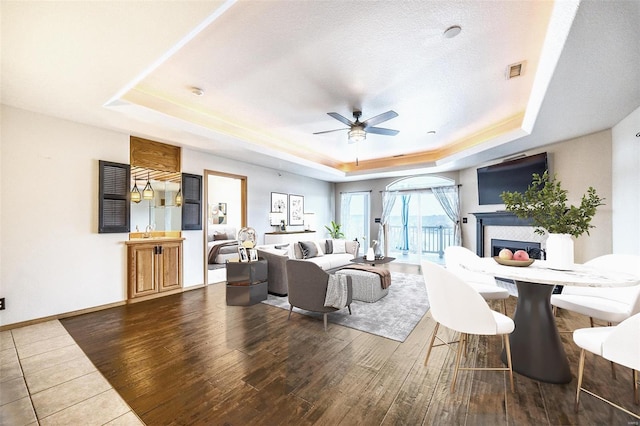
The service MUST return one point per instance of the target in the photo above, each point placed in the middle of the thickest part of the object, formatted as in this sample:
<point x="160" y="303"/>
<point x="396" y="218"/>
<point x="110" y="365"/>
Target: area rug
<point x="394" y="316"/>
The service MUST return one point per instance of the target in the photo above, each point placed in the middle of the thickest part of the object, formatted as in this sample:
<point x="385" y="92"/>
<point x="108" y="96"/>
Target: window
<point x="355" y="215"/>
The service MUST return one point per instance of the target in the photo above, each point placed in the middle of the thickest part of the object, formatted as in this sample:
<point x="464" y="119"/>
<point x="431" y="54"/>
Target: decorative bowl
<point x="507" y="262"/>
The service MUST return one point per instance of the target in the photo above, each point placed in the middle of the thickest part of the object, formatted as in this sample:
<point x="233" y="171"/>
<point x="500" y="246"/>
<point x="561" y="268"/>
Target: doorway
<point x="226" y="213"/>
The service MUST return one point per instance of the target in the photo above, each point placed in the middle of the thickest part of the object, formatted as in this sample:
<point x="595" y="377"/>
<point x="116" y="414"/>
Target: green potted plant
<point x="545" y="203"/>
<point x="334" y="230"/>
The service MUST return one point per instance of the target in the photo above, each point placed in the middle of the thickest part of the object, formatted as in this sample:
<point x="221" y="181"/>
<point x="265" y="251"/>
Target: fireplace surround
<point x="499" y="218"/>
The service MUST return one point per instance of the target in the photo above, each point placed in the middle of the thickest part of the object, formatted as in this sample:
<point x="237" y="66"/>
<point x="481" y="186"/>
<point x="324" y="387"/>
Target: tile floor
<point x="46" y="379"/>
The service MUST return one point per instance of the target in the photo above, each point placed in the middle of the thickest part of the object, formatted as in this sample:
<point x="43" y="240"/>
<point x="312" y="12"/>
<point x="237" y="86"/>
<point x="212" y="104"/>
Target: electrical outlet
<point x="2" y="306"/>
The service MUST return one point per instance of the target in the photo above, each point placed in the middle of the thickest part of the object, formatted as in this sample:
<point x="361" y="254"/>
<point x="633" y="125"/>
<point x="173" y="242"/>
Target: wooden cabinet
<point x="154" y="266"/>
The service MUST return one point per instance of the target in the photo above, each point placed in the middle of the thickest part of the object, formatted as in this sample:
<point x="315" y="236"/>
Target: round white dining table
<point x="536" y="348"/>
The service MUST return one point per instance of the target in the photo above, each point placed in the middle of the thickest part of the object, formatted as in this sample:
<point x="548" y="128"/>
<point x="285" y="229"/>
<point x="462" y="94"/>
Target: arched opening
<point x="418" y="226"/>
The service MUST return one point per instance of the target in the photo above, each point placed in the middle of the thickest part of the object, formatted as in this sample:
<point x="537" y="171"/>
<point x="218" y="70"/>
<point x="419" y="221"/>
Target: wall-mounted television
<point x="513" y="175"/>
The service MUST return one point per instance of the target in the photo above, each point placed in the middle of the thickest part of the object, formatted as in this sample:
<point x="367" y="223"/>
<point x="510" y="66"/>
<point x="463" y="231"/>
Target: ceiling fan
<point x="358" y="130"/>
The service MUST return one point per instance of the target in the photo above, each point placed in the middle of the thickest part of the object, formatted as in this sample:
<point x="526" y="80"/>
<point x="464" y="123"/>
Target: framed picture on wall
<point x="296" y="209"/>
<point x="279" y="204"/>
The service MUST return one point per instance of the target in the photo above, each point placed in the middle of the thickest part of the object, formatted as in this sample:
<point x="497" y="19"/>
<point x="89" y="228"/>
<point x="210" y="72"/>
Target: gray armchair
<point x="308" y="288"/>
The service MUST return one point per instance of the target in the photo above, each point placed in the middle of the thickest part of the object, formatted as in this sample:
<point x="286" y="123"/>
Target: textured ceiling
<point x="271" y="71"/>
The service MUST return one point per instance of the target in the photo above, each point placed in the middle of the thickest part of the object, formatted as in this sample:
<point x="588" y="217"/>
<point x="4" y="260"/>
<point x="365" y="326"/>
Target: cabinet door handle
<point x="155" y="249"/>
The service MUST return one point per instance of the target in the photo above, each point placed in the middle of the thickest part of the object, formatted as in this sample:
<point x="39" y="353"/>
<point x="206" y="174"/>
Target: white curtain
<point x="449" y="199"/>
<point x="388" y="200"/>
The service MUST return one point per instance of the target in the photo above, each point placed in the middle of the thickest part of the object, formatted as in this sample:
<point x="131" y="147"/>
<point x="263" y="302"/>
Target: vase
<point x="377" y="250"/>
<point x="370" y="254"/>
<point x="560" y="251"/>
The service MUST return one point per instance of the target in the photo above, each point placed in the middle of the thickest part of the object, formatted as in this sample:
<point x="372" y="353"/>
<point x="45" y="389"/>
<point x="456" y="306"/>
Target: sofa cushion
<point x="328" y="244"/>
<point x="308" y="249"/>
<point x="339" y="246"/>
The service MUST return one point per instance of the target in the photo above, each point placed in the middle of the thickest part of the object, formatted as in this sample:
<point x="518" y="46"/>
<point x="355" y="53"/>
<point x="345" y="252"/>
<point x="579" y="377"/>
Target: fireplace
<point x="531" y="247"/>
<point x="503" y="225"/>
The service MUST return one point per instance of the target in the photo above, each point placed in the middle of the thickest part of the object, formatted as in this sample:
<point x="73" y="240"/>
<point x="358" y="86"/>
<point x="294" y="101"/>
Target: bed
<point x="222" y="245"/>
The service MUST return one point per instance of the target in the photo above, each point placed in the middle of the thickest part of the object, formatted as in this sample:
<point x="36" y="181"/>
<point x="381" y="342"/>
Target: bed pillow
<point x="339" y="246"/>
<point x="308" y="249"/>
<point x="220" y="237"/>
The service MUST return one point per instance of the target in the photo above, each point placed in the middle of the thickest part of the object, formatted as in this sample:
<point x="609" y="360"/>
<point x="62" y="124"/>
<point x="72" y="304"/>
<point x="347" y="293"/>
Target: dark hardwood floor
<point x="190" y="359"/>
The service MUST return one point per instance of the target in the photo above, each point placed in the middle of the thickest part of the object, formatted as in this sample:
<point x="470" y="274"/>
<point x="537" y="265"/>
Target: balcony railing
<point x="428" y="239"/>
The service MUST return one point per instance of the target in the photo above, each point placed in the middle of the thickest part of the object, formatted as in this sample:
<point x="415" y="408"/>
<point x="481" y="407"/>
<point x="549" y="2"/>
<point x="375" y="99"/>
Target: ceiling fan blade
<point x="341" y="118"/>
<point x="380" y="118"/>
<point x="329" y="131"/>
<point x="381" y="131"/>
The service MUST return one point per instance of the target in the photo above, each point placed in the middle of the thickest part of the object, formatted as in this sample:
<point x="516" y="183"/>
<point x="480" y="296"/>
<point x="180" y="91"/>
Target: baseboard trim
<point x="92" y="309"/>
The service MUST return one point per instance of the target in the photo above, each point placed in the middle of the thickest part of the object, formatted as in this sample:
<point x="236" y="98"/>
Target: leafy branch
<point x="545" y="202"/>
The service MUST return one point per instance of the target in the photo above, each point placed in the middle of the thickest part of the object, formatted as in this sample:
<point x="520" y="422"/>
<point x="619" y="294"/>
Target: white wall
<point x="626" y="184"/>
<point x="578" y="163"/>
<point x="53" y="259"/>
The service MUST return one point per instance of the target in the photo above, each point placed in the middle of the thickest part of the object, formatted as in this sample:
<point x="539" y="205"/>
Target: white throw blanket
<point x="337" y="291"/>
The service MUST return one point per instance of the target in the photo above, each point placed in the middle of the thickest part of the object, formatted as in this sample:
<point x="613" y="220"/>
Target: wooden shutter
<point x="114" y="205"/>
<point x="191" y="202"/>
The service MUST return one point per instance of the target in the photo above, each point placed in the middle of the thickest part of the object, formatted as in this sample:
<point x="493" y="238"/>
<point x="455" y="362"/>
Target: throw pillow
<point x="319" y="248"/>
<point x="328" y="244"/>
<point x="220" y="237"/>
<point x="339" y="246"/>
<point x="308" y="249"/>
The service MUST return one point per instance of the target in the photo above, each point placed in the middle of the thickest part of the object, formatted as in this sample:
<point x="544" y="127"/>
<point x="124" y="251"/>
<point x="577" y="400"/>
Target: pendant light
<point x="135" y="192"/>
<point x="179" y="198"/>
<point x="147" y="192"/>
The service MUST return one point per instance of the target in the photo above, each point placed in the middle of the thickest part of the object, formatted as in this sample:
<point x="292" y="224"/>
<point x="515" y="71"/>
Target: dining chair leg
<point x="504" y="307"/>
<point x="591" y="321"/>
<point x="463" y="339"/>
<point x="349" y="306"/>
<point x="580" y="373"/>
<point x="433" y="338"/>
<point x="555" y="311"/>
<point x="636" y="397"/>
<point x="507" y="348"/>
<point x="290" y="310"/>
<point x="325" y="321"/>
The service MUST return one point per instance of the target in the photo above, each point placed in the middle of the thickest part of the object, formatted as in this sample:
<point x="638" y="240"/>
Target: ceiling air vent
<point x="515" y="70"/>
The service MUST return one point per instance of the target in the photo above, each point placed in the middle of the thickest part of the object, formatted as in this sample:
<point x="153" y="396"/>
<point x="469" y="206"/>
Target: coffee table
<point x="362" y="259"/>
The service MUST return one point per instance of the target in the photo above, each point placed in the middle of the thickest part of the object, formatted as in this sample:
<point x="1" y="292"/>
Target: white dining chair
<point x="458" y="307"/>
<point x="619" y="344"/>
<point x="457" y="256"/>
<point x="611" y="305"/>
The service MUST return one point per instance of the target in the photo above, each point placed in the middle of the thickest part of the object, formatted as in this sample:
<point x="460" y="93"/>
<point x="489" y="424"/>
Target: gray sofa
<point x="278" y="254"/>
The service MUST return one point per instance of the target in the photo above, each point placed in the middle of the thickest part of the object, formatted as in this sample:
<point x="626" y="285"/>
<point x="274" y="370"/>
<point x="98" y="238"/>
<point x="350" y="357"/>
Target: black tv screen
<point x="514" y="175"/>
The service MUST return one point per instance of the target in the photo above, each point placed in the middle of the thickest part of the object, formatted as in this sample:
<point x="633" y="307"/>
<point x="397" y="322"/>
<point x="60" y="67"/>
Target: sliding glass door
<point x="355" y="215"/>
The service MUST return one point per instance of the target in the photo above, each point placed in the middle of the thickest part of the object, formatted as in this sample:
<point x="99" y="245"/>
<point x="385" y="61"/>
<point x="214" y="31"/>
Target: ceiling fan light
<point x="357" y="135"/>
